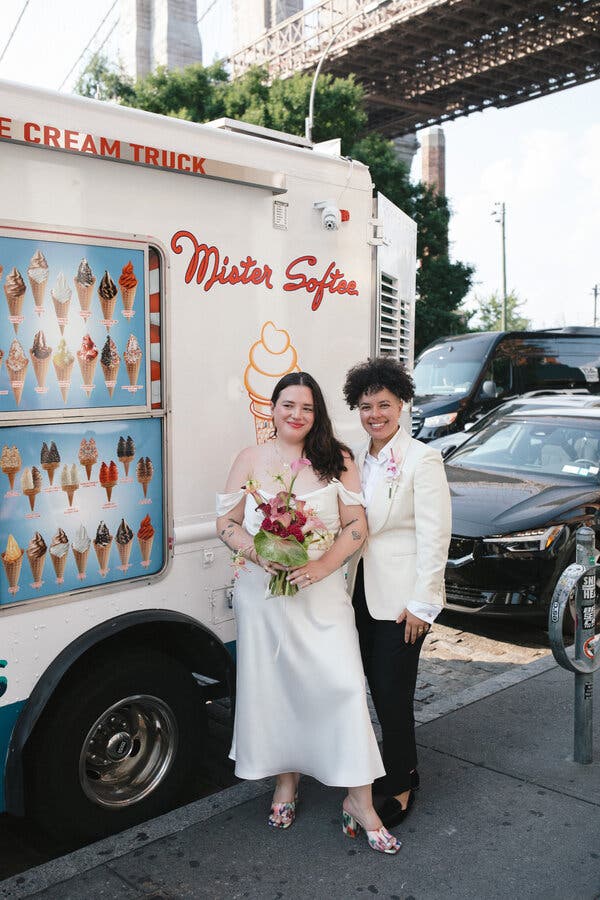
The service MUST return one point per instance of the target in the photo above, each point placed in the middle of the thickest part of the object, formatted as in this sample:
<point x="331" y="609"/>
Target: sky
<point x="540" y="158"/>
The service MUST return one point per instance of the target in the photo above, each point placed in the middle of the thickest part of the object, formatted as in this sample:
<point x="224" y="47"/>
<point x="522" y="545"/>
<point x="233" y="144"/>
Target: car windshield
<point x="448" y="368"/>
<point x="556" y="446"/>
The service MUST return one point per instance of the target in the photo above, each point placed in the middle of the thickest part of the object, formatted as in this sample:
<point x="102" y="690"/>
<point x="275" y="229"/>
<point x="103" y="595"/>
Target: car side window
<point x="497" y="380"/>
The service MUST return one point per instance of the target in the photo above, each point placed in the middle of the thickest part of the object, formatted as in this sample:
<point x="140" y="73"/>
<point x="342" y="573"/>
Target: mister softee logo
<point x="207" y="267"/>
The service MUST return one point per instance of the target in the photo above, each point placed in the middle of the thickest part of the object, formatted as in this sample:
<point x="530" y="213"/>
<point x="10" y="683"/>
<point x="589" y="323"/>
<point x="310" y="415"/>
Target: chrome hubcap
<point x="128" y="751"/>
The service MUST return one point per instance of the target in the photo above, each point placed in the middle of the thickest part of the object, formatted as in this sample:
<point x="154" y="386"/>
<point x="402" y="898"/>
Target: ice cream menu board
<point x="82" y="505"/>
<point x="72" y="326"/>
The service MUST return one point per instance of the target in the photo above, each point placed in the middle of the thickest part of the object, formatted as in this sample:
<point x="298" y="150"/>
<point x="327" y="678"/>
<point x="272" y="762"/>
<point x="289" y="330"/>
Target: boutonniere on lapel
<point x="392" y="474"/>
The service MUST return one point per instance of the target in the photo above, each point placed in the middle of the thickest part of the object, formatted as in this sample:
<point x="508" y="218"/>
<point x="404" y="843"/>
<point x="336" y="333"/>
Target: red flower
<point x="296" y="531"/>
<point x="266" y="524"/>
<point x="300" y="518"/>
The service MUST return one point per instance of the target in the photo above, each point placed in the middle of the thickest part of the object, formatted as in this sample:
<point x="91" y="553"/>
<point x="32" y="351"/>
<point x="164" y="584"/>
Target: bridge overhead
<point x="424" y="62"/>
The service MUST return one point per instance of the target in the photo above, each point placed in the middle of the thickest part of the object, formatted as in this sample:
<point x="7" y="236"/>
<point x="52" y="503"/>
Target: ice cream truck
<point x="157" y="278"/>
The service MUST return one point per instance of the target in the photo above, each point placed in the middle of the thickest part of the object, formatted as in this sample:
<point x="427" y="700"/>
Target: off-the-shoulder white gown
<point x="301" y="703"/>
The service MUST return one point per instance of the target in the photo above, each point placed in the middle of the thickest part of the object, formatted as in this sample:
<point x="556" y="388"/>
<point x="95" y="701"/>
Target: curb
<point x="78" y="862"/>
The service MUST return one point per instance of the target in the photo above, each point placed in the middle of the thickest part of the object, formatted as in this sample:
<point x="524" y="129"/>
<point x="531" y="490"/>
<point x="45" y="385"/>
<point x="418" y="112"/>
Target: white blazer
<point x="405" y="554"/>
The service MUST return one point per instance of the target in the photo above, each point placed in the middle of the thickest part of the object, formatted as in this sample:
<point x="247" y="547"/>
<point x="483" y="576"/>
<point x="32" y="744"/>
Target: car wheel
<point x="119" y="744"/>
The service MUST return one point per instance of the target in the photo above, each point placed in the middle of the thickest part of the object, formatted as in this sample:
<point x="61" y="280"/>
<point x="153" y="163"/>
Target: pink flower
<point x="285" y="519"/>
<point x="299" y="464"/>
<point x="313" y="523"/>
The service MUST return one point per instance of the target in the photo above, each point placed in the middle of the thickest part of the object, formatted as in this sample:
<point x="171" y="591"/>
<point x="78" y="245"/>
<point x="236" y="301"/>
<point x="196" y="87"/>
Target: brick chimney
<point x="433" y="159"/>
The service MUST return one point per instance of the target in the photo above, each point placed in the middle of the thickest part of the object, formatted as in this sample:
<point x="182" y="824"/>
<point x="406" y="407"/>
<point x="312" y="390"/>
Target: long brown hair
<point x="321" y="447"/>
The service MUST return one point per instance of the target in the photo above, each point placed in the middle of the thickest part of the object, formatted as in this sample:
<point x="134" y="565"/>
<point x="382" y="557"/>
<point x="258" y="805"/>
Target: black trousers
<point x="391" y="668"/>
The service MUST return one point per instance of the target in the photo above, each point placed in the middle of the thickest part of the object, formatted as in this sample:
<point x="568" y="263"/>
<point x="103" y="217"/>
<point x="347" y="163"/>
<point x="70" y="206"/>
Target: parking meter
<point x="579" y="580"/>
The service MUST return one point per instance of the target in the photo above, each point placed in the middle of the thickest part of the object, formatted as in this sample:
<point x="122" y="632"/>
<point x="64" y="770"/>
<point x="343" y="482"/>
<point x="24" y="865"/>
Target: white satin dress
<point x="301" y="703"/>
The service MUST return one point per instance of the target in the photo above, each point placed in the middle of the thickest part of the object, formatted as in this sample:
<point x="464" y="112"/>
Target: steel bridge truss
<point x="424" y="62"/>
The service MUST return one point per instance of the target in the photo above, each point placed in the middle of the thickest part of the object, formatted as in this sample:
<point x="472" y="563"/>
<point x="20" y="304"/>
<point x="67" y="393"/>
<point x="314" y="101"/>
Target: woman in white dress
<point x="301" y="703"/>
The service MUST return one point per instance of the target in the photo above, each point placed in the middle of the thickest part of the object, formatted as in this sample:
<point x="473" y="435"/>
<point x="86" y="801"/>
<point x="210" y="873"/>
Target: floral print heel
<point x="283" y="814"/>
<point x="380" y="840"/>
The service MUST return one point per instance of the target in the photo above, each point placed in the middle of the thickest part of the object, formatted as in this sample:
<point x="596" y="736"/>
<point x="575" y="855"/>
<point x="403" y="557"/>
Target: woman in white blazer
<point x="398" y="580"/>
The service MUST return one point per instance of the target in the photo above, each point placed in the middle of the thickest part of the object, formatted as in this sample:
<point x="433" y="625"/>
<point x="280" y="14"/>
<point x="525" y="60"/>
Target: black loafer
<point x="390" y="810"/>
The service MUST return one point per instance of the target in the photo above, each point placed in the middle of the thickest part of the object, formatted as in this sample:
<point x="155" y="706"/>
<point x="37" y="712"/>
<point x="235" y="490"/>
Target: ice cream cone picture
<point x="110" y="362"/>
<point x="81" y="551"/>
<point x="128" y="284"/>
<point x="272" y="357"/>
<point x="87" y="357"/>
<point x="12" y="560"/>
<point x="109" y="478"/>
<point x="132" y="357"/>
<point x="145" y="537"/>
<point x="70" y="479"/>
<point x="10" y="463"/>
<point x="88" y="455"/>
<point x="124" y="542"/>
<point x="40" y="354"/>
<point x="15" y="289"/>
<point x="144" y="472"/>
<point x="36" y="555"/>
<point x="63" y="361"/>
<point x="16" y="366"/>
<point x="125" y="452"/>
<point x="84" y="285"/>
<point x="107" y="294"/>
<point x="31" y="484"/>
<point x="49" y="460"/>
<point x="81" y="561"/>
<point x="59" y="551"/>
<point x="37" y="273"/>
<point x="61" y="297"/>
<point x="102" y="546"/>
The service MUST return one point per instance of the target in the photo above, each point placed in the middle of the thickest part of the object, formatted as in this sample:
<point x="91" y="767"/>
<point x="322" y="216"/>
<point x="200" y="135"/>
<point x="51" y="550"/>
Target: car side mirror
<point x="488" y="389"/>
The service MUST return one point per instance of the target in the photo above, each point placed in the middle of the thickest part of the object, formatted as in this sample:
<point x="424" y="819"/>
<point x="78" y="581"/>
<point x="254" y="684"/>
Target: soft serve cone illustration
<point x="272" y="357"/>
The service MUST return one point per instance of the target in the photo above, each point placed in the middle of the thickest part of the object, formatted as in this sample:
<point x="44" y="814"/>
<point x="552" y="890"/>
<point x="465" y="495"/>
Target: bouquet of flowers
<point x="287" y="530"/>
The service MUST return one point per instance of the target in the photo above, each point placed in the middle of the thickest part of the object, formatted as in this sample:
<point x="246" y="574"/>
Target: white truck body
<point x="261" y="297"/>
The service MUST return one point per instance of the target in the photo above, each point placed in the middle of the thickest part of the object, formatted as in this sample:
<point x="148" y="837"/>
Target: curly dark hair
<point x="321" y="446"/>
<point x="375" y="375"/>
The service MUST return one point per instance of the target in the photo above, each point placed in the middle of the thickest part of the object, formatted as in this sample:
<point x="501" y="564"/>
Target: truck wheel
<point x="121" y="743"/>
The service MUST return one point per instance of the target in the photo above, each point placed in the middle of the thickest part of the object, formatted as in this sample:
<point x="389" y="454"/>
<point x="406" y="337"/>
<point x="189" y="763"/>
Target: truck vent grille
<point x="393" y="321"/>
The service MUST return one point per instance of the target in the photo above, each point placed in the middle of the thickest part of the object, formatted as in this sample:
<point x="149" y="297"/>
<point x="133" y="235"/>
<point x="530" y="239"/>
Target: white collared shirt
<point x="373" y="471"/>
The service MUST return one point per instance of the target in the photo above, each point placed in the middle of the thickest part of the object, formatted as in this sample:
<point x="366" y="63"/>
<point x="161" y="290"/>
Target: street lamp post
<point x="369" y="8"/>
<point x="500" y="217"/>
<point x="595" y="293"/>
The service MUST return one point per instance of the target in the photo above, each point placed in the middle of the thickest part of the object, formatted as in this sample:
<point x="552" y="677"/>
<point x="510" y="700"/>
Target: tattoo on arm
<point x="356" y="535"/>
<point x="348" y="524"/>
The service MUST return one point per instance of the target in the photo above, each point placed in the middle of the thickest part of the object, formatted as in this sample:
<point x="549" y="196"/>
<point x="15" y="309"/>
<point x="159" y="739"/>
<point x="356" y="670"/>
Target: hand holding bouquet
<point x="287" y="530"/>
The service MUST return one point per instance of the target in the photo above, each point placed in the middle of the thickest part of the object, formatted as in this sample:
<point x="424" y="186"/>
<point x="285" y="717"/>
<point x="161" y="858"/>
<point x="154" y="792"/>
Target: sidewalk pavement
<point x="503" y="812"/>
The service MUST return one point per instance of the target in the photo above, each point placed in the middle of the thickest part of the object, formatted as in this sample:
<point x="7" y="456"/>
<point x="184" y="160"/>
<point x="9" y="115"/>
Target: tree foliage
<point x="488" y="313"/>
<point x="200" y="94"/>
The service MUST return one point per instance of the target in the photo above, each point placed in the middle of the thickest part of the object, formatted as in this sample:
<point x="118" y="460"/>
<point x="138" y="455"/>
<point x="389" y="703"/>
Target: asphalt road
<point x="459" y="652"/>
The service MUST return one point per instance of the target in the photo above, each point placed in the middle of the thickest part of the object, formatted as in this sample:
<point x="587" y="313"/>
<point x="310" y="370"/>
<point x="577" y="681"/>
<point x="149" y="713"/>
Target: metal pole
<point x="504" y="297"/>
<point x="584" y="634"/>
<point x="595" y="293"/>
<point x="369" y="8"/>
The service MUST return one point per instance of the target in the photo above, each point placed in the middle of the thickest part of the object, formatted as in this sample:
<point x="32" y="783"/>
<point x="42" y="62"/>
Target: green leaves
<point x="285" y="551"/>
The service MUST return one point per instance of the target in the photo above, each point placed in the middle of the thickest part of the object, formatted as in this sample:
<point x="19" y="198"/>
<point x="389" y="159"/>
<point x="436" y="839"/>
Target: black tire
<point x="158" y="713"/>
